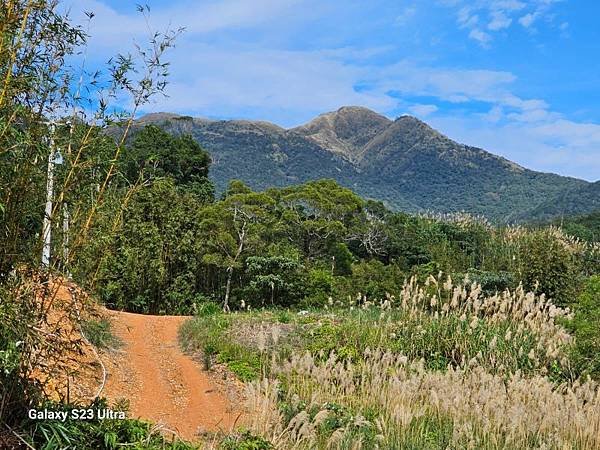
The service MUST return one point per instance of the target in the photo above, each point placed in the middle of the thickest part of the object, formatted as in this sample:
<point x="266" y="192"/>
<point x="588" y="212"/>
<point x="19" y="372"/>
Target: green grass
<point x="344" y="391"/>
<point x="100" y="334"/>
<point x="245" y="440"/>
<point x="586" y="329"/>
<point x="439" y="342"/>
<point x="208" y="335"/>
<point x="108" y="434"/>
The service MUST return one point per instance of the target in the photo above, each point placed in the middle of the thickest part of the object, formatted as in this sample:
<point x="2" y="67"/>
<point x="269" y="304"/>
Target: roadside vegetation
<point x="441" y="365"/>
<point x="100" y="334"/>
<point x="52" y="115"/>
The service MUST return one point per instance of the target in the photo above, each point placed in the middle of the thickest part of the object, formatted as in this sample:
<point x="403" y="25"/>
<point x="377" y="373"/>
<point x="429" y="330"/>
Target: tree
<point x="37" y="91"/>
<point x="549" y="267"/>
<point x="319" y="213"/>
<point x="341" y="259"/>
<point x="232" y="227"/>
<point x="152" y="265"/>
<point x="369" y="229"/>
<point x="274" y="278"/>
<point x="154" y="153"/>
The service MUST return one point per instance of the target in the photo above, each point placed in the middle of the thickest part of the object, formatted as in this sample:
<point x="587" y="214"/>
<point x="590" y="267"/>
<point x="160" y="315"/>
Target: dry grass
<point x="387" y="400"/>
<point x="388" y="397"/>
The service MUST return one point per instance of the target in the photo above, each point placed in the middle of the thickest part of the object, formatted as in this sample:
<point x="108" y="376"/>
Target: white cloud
<point x="558" y="145"/>
<point x="110" y="28"/>
<point x="422" y="110"/>
<point x="291" y="87"/>
<point x="407" y="14"/>
<point x="508" y="5"/>
<point x="499" y="21"/>
<point x="528" y="19"/>
<point x="466" y="19"/>
<point x="285" y="86"/>
<point x="447" y="84"/>
<point x="498" y="15"/>
<point x="494" y="115"/>
<point x="215" y="75"/>
<point x="480" y="36"/>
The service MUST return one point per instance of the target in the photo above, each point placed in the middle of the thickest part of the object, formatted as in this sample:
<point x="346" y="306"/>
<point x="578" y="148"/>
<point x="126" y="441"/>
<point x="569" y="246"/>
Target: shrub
<point x="318" y="288"/>
<point x="203" y="307"/>
<point x="100" y="334"/>
<point x="548" y="266"/>
<point x="372" y="279"/>
<point x="20" y="341"/>
<point x="492" y="282"/>
<point x="246" y="441"/>
<point x="586" y="328"/>
<point x="107" y="434"/>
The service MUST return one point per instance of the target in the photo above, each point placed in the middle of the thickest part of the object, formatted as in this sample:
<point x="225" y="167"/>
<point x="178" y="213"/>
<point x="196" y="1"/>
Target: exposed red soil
<point x="64" y="364"/>
<point x="163" y="384"/>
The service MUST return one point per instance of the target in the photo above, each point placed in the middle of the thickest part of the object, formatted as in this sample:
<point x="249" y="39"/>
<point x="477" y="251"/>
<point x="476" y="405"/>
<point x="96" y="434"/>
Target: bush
<point x="319" y="287"/>
<point x="106" y="434"/>
<point x="100" y="334"/>
<point x="246" y="441"/>
<point x="586" y="328"/>
<point x="372" y="279"/>
<point x="18" y="342"/>
<point x="492" y="282"/>
<point x="549" y="267"/>
<point x="203" y="307"/>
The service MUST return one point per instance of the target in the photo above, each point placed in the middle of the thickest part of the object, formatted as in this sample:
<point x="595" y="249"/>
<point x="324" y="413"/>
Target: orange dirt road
<point x="163" y="384"/>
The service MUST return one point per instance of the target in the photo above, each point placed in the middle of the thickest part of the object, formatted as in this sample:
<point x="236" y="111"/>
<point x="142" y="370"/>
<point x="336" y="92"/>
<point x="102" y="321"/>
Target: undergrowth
<point x="440" y="366"/>
<point x="103" y="434"/>
<point x="442" y="324"/>
<point x="100" y="334"/>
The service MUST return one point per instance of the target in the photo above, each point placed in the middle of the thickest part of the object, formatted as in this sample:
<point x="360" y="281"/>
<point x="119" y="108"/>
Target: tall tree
<point x="232" y="227"/>
<point x="154" y="153"/>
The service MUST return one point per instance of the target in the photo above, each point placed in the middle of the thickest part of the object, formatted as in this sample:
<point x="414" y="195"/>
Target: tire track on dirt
<point x="163" y="384"/>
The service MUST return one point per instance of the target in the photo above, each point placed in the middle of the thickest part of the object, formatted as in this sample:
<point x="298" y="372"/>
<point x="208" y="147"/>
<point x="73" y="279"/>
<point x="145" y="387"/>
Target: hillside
<point x="404" y="163"/>
<point x="580" y="200"/>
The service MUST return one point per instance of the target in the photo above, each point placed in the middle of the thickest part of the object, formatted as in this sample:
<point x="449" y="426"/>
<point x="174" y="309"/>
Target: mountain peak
<point x="345" y="131"/>
<point x="410" y="122"/>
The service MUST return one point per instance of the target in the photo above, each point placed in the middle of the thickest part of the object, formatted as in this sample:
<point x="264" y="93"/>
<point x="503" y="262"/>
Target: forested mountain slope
<point x="404" y="163"/>
<point x="580" y="200"/>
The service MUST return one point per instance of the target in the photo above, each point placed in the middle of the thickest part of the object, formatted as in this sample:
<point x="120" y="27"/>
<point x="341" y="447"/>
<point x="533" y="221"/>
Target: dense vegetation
<point x="586" y="227"/>
<point x="438" y="366"/>
<point x="300" y="245"/>
<point x="342" y="312"/>
<point x="403" y="163"/>
<point x="578" y="201"/>
<point x="38" y="90"/>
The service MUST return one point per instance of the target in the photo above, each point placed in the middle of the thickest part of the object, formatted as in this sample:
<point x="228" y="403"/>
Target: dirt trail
<point x="162" y="383"/>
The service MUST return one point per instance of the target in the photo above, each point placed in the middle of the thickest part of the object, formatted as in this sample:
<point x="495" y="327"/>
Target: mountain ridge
<point x="403" y="162"/>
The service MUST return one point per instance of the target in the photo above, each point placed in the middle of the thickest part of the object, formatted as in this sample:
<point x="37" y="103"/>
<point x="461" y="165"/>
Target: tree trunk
<point x="240" y="249"/>
<point x="227" y="289"/>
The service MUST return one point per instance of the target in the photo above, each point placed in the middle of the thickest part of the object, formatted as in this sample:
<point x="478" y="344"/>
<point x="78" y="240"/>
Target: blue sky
<point x="520" y="78"/>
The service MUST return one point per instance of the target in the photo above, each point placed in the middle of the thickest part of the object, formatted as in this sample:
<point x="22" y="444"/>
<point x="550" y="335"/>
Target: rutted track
<point x="163" y="384"/>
